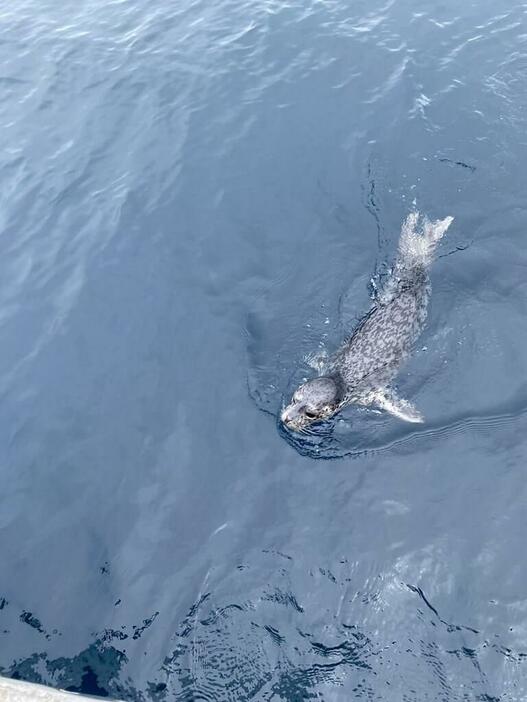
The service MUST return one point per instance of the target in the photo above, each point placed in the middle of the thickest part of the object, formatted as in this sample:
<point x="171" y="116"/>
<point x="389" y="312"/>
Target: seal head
<point x="313" y="401"/>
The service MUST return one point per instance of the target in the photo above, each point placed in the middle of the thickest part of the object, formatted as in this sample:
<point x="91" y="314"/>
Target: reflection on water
<point x="277" y="644"/>
<point x="197" y="202"/>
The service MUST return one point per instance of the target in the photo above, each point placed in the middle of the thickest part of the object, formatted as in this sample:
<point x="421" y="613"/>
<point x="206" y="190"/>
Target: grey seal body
<point x="361" y="370"/>
<point x="383" y="340"/>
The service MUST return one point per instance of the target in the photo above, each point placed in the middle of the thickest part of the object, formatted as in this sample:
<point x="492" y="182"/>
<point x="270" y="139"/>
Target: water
<point x="195" y="198"/>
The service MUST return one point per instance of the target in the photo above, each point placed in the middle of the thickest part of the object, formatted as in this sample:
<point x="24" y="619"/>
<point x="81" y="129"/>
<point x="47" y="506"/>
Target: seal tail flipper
<point x="387" y="400"/>
<point x="417" y="246"/>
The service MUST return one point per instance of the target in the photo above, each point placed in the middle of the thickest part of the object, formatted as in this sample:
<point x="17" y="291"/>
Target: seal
<point x="362" y="369"/>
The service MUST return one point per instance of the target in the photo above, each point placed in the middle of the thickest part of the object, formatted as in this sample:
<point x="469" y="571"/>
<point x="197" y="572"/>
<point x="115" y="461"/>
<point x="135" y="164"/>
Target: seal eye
<point x="310" y="415"/>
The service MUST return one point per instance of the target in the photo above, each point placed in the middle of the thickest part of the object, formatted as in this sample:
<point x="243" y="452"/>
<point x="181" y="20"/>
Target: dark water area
<point x="196" y="199"/>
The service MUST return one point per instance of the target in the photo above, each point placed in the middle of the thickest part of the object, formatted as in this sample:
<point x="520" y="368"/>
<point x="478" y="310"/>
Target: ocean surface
<point x="196" y="200"/>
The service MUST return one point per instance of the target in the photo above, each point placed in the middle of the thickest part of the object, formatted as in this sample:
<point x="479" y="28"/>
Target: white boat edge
<point x="19" y="691"/>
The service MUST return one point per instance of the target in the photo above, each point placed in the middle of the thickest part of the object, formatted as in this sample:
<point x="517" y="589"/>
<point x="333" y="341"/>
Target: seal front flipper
<point x="387" y="400"/>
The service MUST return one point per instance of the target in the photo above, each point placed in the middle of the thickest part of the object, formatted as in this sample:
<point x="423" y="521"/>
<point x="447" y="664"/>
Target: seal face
<point x="317" y="399"/>
<point x="362" y="369"/>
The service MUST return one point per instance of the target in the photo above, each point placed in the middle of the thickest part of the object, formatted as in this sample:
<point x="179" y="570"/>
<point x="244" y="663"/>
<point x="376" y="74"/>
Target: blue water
<point x="194" y="198"/>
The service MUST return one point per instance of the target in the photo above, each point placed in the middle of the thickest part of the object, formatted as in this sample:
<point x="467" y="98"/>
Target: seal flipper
<point x="387" y="400"/>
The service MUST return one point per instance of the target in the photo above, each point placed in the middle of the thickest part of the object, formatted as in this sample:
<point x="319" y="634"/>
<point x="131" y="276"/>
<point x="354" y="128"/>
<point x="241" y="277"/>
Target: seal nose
<point x="285" y="416"/>
<point x="289" y="414"/>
